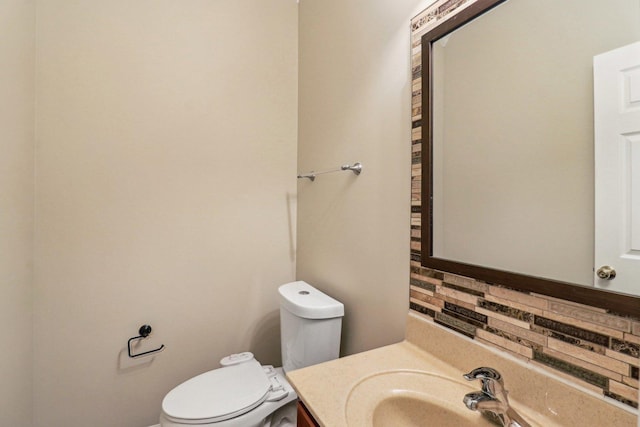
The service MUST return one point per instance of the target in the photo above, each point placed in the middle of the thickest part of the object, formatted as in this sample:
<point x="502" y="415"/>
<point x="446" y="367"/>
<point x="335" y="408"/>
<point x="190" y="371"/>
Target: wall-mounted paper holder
<point x="144" y="331"/>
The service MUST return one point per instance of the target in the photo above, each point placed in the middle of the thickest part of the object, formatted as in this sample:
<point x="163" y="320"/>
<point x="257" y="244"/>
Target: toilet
<point x="244" y="393"/>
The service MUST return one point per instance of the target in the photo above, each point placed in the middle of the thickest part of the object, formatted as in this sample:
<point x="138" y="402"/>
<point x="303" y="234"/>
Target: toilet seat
<point x="223" y="394"/>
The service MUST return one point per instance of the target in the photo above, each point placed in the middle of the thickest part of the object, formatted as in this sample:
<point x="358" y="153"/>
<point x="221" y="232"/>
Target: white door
<point x="617" y="173"/>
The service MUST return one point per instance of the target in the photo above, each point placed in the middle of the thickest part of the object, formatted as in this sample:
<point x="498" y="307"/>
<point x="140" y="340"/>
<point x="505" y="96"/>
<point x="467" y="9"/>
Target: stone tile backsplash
<point x="601" y="354"/>
<point x="596" y="349"/>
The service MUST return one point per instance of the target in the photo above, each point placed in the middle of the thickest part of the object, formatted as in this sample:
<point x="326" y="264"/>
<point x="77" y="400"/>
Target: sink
<point x="410" y="411"/>
<point x="407" y="398"/>
<point x="410" y="384"/>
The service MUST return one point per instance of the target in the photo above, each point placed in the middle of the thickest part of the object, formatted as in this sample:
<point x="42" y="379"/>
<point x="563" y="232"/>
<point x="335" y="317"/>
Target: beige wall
<point x="16" y="209"/>
<point x="166" y="153"/>
<point x="354" y="105"/>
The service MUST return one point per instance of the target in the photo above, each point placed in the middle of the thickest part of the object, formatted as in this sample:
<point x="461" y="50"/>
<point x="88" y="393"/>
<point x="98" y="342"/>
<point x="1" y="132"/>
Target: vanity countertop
<point x="539" y="397"/>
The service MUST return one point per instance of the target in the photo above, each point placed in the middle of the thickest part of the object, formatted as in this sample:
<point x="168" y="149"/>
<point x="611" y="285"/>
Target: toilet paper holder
<point x="144" y="331"/>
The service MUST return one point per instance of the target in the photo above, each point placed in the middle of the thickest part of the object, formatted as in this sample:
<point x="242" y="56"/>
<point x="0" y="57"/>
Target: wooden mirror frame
<point x="612" y="301"/>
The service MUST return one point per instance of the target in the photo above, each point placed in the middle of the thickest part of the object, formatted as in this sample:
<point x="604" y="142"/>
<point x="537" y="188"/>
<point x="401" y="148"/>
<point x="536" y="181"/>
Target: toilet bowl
<point x="244" y="393"/>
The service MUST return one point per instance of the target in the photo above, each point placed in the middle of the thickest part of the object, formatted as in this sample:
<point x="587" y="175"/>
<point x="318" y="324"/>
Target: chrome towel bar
<point x="356" y="168"/>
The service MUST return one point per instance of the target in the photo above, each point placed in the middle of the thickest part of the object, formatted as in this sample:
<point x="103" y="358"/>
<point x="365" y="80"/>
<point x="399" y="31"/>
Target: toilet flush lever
<point x="144" y="331"/>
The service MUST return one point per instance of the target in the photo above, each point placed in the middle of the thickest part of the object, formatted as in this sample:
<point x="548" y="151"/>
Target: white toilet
<point x="243" y="393"/>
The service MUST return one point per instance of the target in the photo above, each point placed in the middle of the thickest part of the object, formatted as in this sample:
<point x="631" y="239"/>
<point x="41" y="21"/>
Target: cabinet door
<point x="304" y="417"/>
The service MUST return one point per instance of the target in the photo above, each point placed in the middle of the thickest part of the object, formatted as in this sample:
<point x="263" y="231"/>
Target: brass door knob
<point x="606" y="273"/>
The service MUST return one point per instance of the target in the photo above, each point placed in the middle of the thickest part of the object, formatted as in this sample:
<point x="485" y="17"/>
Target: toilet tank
<point x="310" y="326"/>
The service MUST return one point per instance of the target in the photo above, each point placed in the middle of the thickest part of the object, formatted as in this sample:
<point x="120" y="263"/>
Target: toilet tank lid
<point x="303" y="300"/>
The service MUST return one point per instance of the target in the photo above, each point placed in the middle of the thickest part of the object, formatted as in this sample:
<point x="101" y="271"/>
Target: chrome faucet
<point x="492" y="400"/>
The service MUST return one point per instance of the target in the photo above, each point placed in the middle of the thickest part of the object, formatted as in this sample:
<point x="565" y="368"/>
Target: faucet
<point x="492" y="399"/>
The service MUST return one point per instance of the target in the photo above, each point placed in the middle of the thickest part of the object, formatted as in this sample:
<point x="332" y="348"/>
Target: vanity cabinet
<point x="305" y="419"/>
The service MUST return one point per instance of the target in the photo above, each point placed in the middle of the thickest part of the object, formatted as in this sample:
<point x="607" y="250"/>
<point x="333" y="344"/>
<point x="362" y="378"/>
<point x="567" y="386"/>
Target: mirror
<point x="508" y="115"/>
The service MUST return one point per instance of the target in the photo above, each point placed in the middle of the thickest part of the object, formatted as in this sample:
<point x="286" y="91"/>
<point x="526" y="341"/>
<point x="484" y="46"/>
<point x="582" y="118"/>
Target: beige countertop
<point x="540" y="398"/>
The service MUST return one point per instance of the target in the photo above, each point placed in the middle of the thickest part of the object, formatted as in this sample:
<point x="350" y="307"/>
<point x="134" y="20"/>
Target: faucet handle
<point x="483" y="373"/>
<point x="493" y="399"/>
<point x="492" y="383"/>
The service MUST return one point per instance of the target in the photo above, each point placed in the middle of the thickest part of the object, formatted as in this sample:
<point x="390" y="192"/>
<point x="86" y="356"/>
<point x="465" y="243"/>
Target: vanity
<point x="420" y="380"/>
<point x="305" y="419"/>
